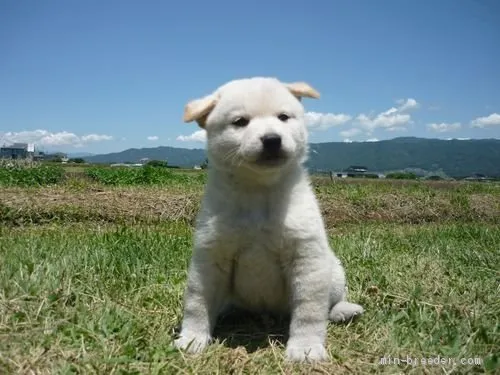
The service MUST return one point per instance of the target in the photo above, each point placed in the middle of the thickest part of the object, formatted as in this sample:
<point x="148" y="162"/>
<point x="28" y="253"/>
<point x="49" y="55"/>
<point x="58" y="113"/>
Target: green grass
<point x="146" y="175"/>
<point x="92" y="276"/>
<point x="29" y="174"/>
<point x="32" y="175"/>
<point x="102" y="299"/>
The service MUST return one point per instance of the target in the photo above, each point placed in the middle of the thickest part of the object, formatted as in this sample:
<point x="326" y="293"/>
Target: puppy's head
<point x="254" y="124"/>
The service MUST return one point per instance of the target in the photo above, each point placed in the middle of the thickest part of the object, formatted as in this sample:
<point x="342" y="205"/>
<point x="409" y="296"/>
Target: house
<point x="39" y="156"/>
<point x="127" y="165"/>
<point x="356" y="169"/>
<point x="17" y="151"/>
<point x="477" y="177"/>
<point x="58" y="156"/>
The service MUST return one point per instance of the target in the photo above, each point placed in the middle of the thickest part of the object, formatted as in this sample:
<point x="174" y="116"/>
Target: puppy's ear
<point x="302" y="89"/>
<point x="199" y="109"/>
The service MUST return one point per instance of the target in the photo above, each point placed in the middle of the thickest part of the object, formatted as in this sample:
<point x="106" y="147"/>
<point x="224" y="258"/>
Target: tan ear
<point x="302" y="89"/>
<point x="199" y="109"/>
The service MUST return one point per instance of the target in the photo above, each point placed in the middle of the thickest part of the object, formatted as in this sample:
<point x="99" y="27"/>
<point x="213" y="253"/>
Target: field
<point x="93" y="267"/>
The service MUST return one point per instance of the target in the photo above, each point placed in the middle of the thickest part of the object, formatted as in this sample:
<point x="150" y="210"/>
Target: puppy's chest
<point x="238" y="232"/>
<point x="257" y="228"/>
<point x="248" y="232"/>
<point x="260" y="260"/>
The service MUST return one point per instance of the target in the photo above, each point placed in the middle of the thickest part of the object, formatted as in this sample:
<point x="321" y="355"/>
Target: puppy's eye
<point x="240" y="121"/>
<point x="283" y="117"/>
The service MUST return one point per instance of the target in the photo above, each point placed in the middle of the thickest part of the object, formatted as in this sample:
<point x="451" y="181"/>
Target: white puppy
<point x="260" y="242"/>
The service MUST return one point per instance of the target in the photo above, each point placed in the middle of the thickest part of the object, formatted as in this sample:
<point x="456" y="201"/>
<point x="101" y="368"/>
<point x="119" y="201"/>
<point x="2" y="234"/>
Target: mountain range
<point x="455" y="158"/>
<point x="79" y="155"/>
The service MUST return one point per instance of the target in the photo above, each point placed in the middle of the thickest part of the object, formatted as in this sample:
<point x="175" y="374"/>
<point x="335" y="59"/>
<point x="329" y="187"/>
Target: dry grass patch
<point x="122" y="204"/>
<point x="341" y="203"/>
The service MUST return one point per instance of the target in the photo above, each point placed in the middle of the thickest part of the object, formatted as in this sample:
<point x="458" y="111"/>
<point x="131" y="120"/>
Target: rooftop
<point x="17" y="145"/>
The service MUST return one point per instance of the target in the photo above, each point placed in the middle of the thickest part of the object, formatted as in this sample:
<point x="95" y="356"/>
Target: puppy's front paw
<point x="192" y="343"/>
<point x="306" y="351"/>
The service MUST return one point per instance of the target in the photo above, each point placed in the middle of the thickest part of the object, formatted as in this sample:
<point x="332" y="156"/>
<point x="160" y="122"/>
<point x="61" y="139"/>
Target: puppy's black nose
<point x="271" y="142"/>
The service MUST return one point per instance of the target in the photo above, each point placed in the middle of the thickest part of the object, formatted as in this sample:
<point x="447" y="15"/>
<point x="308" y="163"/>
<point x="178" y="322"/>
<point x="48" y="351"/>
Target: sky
<point x="103" y="76"/>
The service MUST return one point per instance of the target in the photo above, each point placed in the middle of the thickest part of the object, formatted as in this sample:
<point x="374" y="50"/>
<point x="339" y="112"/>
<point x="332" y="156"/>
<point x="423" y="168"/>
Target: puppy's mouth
<point x="271" y="159"/>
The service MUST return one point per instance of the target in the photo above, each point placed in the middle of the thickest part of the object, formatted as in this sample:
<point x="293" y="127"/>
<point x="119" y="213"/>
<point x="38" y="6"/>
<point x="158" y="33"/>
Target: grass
<point x="80" y="199"/>
<point x="29" y="174"/>
<point x="146" y="175"/>
<point x="92" y="277"/>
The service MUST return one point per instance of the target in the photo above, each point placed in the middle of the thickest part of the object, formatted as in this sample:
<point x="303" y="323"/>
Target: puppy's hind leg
<point x="344" y="311"/>
<point x="341" y="310"/>
<point x="205" y="296"/>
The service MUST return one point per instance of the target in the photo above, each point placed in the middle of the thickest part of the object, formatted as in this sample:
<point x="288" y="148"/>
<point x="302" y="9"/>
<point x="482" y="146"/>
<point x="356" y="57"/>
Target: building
<point x="352" y="171"/>
<point x="56" y="157"/>
<point x="39" y="156"/>
<point x="477" y="177"/>
<point x="17" y="151"/>
<point x="356" y="169"/>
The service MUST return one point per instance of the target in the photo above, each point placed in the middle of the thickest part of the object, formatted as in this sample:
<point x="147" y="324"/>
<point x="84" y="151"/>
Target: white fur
<point x="260" y="241"/>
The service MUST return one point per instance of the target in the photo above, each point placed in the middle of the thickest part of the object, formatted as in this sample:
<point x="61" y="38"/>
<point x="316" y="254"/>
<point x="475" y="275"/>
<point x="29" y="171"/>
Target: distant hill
<point x="79" y="155"/>
<point x="456" y="158"/>
<point x="182" y="157"/>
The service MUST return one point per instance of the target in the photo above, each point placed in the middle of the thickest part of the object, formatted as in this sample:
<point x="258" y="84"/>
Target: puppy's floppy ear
<point x="302" y="89"/>
<point x="199" y="109"/>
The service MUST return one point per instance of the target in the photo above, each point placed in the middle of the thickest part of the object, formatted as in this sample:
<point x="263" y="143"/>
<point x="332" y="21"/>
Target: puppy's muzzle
<point x="271" y="144"/>
<point x="272" y="150"/>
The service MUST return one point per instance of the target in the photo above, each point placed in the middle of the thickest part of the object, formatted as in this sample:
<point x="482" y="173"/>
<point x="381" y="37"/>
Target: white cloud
<point x="484" y="122"/>
<point x="407" y="105"/>
<point x="347" y="140"/>
<point x="96" y="138"/>
<point x="396" y="129"/>
<point x="350" y="133"/>
<point x="444" y="127"/>
<point x="386" y="120"/>
<point x="372" y="140"/>
<point x="153" y="138"/>
<point x="197" y="136"/>
<point x="45" y="138"/>
<point x="393" y="119"/>
<point x="323" y="121"/>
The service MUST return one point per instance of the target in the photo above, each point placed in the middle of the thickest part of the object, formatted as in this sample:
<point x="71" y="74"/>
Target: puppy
<point x="260" y="242"/>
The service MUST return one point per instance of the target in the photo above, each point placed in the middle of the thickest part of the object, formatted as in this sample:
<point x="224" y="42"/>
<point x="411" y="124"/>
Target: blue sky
<point x="103" y="76"/>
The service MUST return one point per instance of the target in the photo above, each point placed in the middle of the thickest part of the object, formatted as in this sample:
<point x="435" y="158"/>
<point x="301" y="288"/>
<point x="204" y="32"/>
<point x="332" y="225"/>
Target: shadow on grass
<point x="237" y="327"/>
<point x="253" y="331"/>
